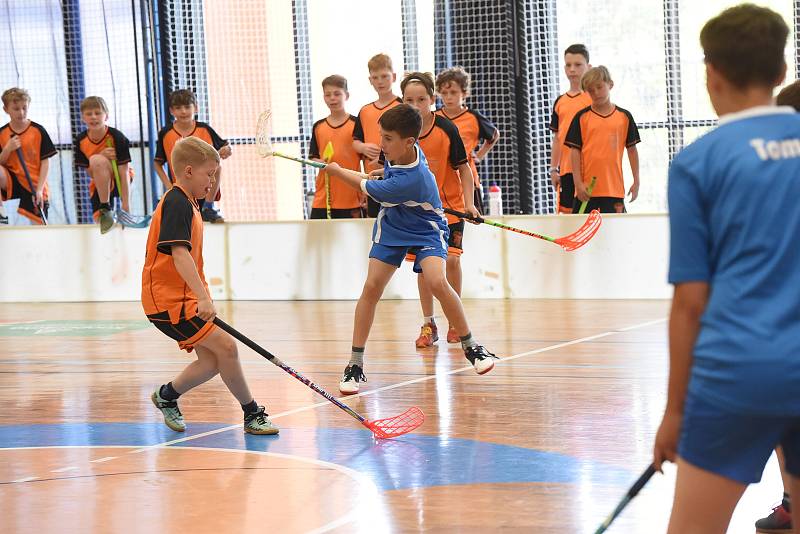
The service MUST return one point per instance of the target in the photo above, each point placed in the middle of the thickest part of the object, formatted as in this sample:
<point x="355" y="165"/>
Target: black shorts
<point x="352" y="213"/>
<point x="187" y="332"/>
<point x="566" y="196"/>
<point x="454" y="241"/>
<point x="601" y="204"/>
<point x="478" y="199"/>
<point x="26" y="206"/>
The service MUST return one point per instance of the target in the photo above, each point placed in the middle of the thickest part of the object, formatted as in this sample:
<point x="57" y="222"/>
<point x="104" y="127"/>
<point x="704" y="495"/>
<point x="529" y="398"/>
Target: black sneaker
<point x="211" y="215"/>
<point x="480" y="358"/>
<point x="3" y="219"/>
<point x="258" y="423"/>
<point x="353" y="374"/>
<point x="778" y="522"/>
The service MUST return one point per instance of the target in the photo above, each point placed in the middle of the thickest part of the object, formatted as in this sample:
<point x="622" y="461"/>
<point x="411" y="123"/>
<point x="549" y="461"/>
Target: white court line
<point x="101" y="460"/>
<point x="65" y="469"/>
<point x="26" y="479"/>
<point x="408" y="382"/>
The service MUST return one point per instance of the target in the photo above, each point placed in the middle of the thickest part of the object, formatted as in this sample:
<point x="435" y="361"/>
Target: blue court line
<point x="412" y="461"/>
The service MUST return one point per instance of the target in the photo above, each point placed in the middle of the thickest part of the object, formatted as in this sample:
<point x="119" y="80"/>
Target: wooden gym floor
<point x="546" y="442"/>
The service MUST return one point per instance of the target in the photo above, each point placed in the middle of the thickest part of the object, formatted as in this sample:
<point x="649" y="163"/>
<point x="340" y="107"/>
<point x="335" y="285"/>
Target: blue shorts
<point x="396" y="255"/>
<point x="736" y="446"/>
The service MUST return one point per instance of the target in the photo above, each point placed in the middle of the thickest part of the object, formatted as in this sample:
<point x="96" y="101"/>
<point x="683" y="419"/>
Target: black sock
<point x="250" y="407"/>
<point x="168" y="393"/>
<point x="787" y="502"/>
<point x="105" y="206"/>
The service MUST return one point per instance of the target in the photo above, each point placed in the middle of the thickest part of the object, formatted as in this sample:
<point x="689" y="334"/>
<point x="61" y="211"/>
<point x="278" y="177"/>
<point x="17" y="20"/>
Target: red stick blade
<point x="582" y="235"/>
<point x="391" y="427"/>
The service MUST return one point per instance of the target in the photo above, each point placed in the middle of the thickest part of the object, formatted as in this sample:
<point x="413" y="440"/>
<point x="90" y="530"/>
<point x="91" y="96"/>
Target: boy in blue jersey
<point x="410" y="219"/>
<point x="735" y="322"/>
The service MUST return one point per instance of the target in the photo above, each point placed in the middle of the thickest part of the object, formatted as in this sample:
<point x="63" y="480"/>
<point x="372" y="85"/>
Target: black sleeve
<point x="632" y="137"/>
<point x="486" y="130"/>
<point x="313" y="145"/>
<point x="176" y="222"/>
<point x="554" y="116"/>
<point x="358" y="130"/>
<point x="121" y="145"/>
<point x="161" y="153"/>
<point x="46" y="148"/>
<point x="216" y="141"/>
<point x="574" y="135"/>
<point x="457" y="154"/>
<point x="80" y="158"/>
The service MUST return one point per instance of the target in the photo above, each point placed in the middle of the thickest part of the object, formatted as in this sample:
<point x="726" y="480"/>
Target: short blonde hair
<point x="15" y="94"/>
<point x="192" y="151"/>
<point x="594" y="75"/>
<point x="380" y="61"/>
<point x="94" y="102"/>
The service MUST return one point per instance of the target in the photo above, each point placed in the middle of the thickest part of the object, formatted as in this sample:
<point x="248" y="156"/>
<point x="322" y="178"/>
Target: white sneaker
<point x="480" y="358"/>
<point x="353" y="374"/>
<point x="173" y="417"/>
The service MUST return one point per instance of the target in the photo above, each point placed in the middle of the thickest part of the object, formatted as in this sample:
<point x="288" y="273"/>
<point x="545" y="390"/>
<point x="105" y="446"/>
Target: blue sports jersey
<point x="734" y="217"/>
<point x="411" y="211"/>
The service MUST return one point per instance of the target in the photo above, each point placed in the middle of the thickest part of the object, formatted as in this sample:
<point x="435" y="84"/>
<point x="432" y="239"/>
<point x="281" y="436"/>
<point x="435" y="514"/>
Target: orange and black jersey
<point x="445" y="152"/>
<point x="474" y="129"/>
<point x="602" y="139"/>
<point x="86" y="147"/>
<point x="367" y="129"/>
<point x="565" y="108"/>
<point x="342" y="196"/>
<point x="168" y="136"/>
<point x="36" y="147"/>
<point x="176" y="221"/>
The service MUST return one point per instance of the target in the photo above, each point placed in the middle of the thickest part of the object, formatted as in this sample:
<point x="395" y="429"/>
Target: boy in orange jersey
<point x="453" y="85"/>
<point x="576" y="63"/>
<point x="447" y="159"/>
<point x="599" y="134"/>
<point x="183" y="106"/>
<point x="366" y="135"/>
<point x="336" y="129"/>
<point x="33" y="140"/>
<point x="93" y="153"/>
<point x="175" y="295"/>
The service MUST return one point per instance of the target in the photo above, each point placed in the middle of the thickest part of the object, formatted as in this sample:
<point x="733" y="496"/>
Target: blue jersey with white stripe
<point x="411" y="211"/>
<point x="735" y="220"/>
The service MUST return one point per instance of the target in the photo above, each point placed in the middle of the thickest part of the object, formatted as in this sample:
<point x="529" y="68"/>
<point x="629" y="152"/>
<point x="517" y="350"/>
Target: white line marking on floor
<point x="101" y="460"/>
<point x="65" y="469"/>
<point x="26" y="479"/>
<point x="407" y="382"/>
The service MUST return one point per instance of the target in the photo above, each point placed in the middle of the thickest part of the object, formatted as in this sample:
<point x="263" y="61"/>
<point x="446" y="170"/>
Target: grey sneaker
<point x="259" y="423"/>
<point x="173" y="417"/>
<point x="106" y="221"/>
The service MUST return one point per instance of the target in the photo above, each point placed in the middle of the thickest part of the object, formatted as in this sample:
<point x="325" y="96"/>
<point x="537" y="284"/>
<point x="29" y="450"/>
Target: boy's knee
<point x="436" y="283"/>
<point x="97" y="161"/>
<point x="227" y="348"/>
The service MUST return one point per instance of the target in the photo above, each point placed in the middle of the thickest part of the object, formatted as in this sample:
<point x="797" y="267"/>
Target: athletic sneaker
<point x="173" y="417"/>
<point x="428" y="335"/>
<point x="480" y="358"/>
<point x="452" y="336"/>
<point x="353" y="374"/>
<point x="3" y="219"/>
<point x="779" y="521"/>
<point x="258" y="423"/>
<point x="106" y="220"/>
<point x="211" y="215"/>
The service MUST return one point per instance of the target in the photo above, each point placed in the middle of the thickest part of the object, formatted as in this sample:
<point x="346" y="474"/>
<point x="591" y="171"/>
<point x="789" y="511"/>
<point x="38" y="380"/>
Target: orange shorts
<point x="187" y="332"/>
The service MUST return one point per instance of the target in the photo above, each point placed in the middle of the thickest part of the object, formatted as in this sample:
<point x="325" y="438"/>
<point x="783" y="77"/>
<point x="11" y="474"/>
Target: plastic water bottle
<point x="495" y="200"/>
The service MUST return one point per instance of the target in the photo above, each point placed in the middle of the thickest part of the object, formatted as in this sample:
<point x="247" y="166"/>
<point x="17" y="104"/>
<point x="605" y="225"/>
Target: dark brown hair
<point x="335" y="80"/>
<point x="790" y="96"/>
<point x="456" y="75"/>
<point x="745" y="44"/>
<point x="425" y="78"/>
<point x="182" y="97"/>
<point x="403" y="119"/>
<point x="578" y="49"/>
